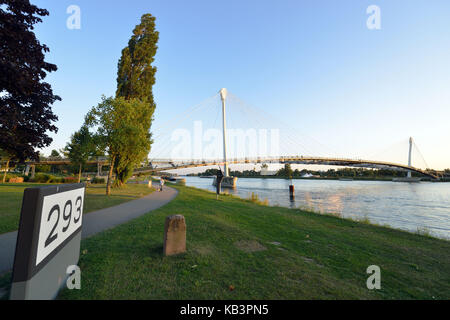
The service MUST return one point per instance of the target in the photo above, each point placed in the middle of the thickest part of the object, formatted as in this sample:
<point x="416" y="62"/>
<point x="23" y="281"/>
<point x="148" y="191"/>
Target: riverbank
<point x="11" y="200"/>
<point x="238" y="249"/>
<point x="327" y="178"/>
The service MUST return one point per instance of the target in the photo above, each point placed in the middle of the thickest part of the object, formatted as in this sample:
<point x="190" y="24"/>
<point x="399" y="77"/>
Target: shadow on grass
<point x="113" y="196"/>
<point x="156" y="251"/>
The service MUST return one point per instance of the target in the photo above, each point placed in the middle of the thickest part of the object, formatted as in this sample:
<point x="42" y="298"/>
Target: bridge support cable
<point x="290" y="132"/>
<point x="417" y="150"/>
<point x="297" y="146"/>
<point x="187" y="113"/>
<point x="256" y="115"/>
<point x="165" y="136"/>
<point x="399" y="152"/>
<point x="395" y="152"/>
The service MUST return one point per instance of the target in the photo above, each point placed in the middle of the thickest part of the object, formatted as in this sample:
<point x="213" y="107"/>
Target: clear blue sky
<point x="313" y="63"/>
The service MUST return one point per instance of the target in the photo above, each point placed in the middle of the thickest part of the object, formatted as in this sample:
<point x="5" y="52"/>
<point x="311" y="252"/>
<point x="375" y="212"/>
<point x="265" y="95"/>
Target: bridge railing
<point x="177" y="163"/>
<point x="167" y="164"/>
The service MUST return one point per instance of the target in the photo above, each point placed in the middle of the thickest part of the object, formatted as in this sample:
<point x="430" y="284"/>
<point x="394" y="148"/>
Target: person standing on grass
<point x="161" y="183"/>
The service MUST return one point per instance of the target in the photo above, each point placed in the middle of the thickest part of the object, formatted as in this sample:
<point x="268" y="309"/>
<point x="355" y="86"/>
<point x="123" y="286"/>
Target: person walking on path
<point x="161" y="184"/>
<point x="219" y="179"/>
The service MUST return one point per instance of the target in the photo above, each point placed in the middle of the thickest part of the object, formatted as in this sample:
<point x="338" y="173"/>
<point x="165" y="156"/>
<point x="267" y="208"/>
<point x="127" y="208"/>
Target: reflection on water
<point x="409" y="206"/>
<point x="335" y="203"/>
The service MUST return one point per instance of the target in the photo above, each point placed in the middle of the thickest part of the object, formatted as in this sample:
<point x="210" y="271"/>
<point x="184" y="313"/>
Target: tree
<point x="136" y="75"/>
<point x="80" y="147"/>
<point x="286" y="171"/>
<point x="122" y="130"/>
<point x="5" y="158"/>
<point x="135" y="80"/>
<point x="55" y="154"/>
<point x="25" y="99"/>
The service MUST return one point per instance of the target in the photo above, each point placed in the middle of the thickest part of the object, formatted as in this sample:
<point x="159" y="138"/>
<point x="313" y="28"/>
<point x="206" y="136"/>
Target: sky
<point x="313" y="64"/>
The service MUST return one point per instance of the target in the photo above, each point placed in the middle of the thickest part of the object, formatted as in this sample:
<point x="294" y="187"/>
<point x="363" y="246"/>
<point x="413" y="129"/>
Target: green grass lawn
<point x="230" y="243"/>
<point x="11" y="200"/>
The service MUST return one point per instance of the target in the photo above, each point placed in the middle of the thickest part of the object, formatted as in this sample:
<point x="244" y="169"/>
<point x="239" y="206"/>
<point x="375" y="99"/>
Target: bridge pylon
<point x="228" y="182"/>
<point x="223" y="96"/>
<point x="409" y="157"/>
<point x="409" y="171"/>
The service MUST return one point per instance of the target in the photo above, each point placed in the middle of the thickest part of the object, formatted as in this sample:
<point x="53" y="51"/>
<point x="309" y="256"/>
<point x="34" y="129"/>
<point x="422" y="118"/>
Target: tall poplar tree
<point x="135" y="80"/>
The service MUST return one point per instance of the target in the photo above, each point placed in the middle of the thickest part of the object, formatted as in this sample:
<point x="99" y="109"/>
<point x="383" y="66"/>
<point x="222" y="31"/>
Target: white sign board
<point x="62" y="215"/>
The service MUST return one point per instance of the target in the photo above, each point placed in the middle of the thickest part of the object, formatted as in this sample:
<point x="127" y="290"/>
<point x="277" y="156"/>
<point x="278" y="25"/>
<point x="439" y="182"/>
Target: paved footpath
<point x="97" y="221"/>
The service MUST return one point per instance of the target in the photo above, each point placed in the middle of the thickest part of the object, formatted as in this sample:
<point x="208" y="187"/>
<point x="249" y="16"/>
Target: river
<point x="408" y="206"/>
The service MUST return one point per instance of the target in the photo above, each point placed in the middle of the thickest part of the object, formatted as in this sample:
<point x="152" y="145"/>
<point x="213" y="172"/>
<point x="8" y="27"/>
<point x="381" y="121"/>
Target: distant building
<point x="267" y="172"/>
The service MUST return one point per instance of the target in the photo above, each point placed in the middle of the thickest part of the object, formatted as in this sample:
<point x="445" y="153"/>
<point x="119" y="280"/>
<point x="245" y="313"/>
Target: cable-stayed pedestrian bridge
<point x="244" y="118"/>
<point x="158" y="165"/>
<point x="289" y="141"/>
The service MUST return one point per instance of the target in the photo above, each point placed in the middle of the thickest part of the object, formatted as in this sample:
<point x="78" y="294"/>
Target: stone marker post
<point x="174" y="235"/>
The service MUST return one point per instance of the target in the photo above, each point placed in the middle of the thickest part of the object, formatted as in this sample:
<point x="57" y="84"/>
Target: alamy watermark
<point x="199" y="144"/>
<point x="74" y="20"/>
<point x="374" y="281"/>
<point x="74" y="279"/>
<point x="374" y="20"/>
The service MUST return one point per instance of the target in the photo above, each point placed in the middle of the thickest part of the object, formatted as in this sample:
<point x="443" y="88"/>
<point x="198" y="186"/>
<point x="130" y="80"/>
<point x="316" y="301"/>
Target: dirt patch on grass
<point x="249" y="246"/>
<point x="203" y="250"/>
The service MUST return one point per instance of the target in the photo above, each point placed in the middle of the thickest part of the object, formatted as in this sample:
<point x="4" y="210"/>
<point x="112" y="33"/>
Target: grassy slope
<point x="11" y="200"/>
<point x="320" y="257"/>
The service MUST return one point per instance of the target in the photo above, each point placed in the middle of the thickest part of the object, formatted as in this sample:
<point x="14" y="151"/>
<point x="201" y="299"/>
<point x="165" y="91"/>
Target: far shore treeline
<point x="355" y="173"/>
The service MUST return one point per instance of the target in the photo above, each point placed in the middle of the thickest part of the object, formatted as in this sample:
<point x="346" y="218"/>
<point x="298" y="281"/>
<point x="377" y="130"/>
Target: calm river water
<point x="408" y="206"/>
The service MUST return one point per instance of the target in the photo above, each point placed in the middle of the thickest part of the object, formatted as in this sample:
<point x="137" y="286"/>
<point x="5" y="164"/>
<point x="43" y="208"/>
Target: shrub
<point x="47" y="178"/>
<point x="16" y="180"/>
<point x="8" y="176"/>
<point x="56" y="180"/>
<point x="43" y="168"/>
<point x="181" y="182"/>
<point x="70" y="180"/>
<point x="424" y="231"/>
<point x="255" y="199"/>
<point x="42" y="178"/>
<point x="12" y="178"/>
<point x="98" y="180"/>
